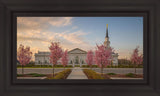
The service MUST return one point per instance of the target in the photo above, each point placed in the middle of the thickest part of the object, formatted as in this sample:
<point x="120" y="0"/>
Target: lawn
<point x="61" y="75"/>
<point x="94" y="75"/>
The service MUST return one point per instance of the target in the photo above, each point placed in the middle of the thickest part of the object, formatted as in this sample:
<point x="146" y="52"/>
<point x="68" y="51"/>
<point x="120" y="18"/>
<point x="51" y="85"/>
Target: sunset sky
<point x="125" y="33"/>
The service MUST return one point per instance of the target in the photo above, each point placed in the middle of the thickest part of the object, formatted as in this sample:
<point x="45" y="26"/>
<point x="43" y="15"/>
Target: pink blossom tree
<point x="24" y="55"/>
<point x="64" y="59"/>
<point x="136" y="59"/>
<point x="89" y="58"/>
<point x="56" y="53"/>
<point x="103" y="56"/>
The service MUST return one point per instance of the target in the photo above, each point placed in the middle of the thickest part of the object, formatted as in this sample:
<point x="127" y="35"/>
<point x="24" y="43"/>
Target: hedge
<point x="43" y="66"/>
<point x="119" y="66"/>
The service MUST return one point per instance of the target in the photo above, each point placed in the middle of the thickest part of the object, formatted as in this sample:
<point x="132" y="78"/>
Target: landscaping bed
<point x="129" y="75"/>
<point x="61" y="75"/>
<point x="94" y="75"/>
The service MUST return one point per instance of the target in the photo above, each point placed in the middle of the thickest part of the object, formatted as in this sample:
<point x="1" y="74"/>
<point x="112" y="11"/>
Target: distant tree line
<point x="126" y="62"/>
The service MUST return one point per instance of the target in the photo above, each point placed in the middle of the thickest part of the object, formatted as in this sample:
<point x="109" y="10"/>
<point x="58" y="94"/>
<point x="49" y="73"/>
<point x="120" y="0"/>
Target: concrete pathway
<point x="77" y="73"/>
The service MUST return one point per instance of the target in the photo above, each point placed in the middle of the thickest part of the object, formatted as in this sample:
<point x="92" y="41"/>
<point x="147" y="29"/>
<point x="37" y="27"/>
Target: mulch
<point x="124" y="76"/>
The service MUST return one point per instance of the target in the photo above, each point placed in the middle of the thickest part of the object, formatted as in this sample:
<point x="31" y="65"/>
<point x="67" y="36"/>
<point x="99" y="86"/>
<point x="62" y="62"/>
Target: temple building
<point x="77" y="56"/>
<point x="107" y="44"/>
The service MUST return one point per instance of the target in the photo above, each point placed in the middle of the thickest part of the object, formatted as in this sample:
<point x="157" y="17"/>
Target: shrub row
<point x="111" y="73"/>
<point x="61" y="75"/>
<point x="87" y="66"/>
<point x="92" y="74"/>
<point x="44" y="66"/>
<point x="119" y="66"/>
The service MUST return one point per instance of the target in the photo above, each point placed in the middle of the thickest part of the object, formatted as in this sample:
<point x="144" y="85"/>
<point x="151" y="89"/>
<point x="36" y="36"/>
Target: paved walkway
<point x="77" y="73"/>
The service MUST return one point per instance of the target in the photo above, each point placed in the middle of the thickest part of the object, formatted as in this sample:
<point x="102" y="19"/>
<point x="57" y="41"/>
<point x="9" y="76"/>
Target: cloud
<point x="34" y="28"/>
<point x="61" y="21"/>
<point x="75" y="27"/>
<point x="33" y="32"/>
<point x="74" y="37"/>
<point x="35" y="23"/>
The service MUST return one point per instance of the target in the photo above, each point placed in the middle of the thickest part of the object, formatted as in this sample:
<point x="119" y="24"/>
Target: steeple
<point x="106" y="30"/>
<point x="107" y="42"/>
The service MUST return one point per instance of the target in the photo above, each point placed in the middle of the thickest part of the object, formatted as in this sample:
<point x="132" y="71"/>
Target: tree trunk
<point x="53" y="70"/>
<point x="22" y="70"/>
<point x="102" y="71"/>
<point x="64" y="73"/>
<point x="135" y="68"/>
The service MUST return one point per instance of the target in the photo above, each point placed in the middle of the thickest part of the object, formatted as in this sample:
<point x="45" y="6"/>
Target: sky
<point x="125" y="33"/>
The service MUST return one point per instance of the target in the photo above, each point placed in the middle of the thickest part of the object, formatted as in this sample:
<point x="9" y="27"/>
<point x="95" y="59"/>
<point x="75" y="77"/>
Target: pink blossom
<point x="89" y="58"/>
<point x="56" y="52"/>
<point x="64" y="59"/>
<point x="103" y="56"/>
<point x="24" y="55"/>
<point x="136" y="58"/>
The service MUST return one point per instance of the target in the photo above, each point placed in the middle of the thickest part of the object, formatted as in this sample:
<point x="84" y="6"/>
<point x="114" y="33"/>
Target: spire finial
<point x="106" y="30"/>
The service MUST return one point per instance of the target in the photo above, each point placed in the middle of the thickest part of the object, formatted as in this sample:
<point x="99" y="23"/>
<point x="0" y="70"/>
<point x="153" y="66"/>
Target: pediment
<point x="77" y="51"/>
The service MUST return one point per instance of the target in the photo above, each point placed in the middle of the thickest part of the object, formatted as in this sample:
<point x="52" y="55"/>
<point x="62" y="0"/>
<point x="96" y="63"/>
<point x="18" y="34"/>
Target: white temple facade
<point x="76" y="56"/>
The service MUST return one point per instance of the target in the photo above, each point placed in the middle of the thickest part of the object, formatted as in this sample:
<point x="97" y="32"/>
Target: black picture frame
<point x="149" y="9"/>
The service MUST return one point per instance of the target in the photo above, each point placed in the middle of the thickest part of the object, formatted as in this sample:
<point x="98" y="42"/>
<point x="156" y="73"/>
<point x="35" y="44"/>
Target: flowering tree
<point x="56" y="53"/>
<point x="89" y="58"/>
<point x="64" y="59"/>
<point x="136" y="58"/>
<point x="103" y="56"/>
<point x="24" y="55"/>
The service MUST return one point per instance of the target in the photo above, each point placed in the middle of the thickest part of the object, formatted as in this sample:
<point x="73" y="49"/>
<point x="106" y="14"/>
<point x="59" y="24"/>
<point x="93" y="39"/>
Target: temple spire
<point x="106" y="30"/>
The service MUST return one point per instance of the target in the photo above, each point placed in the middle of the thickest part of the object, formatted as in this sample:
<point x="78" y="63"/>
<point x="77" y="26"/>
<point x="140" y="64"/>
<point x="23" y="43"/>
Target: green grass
<point x="130" y="75"/>
<point x="111" y="73"/>
<point x="19" y="75"/>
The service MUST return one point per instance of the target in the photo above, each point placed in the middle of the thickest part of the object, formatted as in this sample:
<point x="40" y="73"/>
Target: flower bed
<point x="129" y="75"/>
<point x="92" y="74"/>
<point x="61" y="75"/>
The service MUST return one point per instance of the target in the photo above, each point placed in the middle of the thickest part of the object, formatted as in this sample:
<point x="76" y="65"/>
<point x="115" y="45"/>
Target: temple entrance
<point x="76" y="60"/>
<point x="77" y="57"/>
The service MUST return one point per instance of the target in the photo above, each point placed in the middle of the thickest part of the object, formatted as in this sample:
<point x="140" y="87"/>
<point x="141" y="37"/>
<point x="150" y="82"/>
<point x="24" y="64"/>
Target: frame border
<point x="79" y="14"/>
<point x="7" y="7"/>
